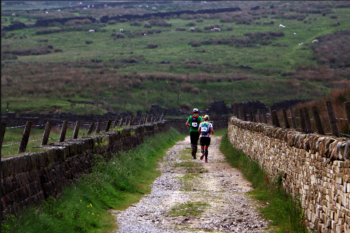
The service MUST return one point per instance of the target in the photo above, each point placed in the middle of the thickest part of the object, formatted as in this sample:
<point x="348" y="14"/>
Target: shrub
<point x="196" y="43"/>
<point x="48" y="31"/>
<point x="191" y="24"/>
<point x="152" y="46"/>
<point x="112" y="22"/>
<point x="89" y="42"/>
<point x="147" y="25"/>
<point x="58" y="50"/>
<point x="119" y="36"/>
<point x="199" y="20"/>
<point x="185" y="106"/>
<point x="180" y="29"/>
<point x="138" y="24"/>
<point x="229" y="28"/>
<point x="75" y="22"/>
<point x="334" y="17"/>
<point x="50" y="46"/>
<point x="123" y="20"/>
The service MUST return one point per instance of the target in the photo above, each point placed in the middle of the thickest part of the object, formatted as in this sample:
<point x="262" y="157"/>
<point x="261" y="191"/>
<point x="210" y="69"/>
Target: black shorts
<point x="205" y="141"/>
<point x="194" y="137"/>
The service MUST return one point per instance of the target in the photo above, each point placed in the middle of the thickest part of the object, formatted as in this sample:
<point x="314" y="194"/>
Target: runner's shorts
<point x="205" y="141"/>
<point x="194" y="137"/>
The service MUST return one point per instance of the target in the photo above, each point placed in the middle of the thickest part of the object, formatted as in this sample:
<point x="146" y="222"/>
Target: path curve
<point x="215" y="191"/>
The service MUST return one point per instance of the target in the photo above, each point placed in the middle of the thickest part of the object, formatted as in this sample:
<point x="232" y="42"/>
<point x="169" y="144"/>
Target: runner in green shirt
<point x="193" y="122"/>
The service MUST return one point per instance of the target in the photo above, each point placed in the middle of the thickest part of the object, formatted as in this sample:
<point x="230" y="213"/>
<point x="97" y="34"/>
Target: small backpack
<point x="195" y="121"/>
<point x="205" y="129"/>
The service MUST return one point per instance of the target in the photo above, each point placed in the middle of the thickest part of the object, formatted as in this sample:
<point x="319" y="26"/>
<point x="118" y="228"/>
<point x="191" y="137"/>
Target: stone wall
<point x="315" y="166"/>
<point x="31" y="178"/>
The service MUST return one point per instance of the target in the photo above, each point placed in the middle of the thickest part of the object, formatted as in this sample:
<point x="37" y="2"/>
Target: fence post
<point x="115" y="123"/>
<point x="48" y="127"/>
<point x="272" y="118"/>
<point x="275" y="118"/>
<point x="254" y="115"/>
<point x="302" y="121"/>
<point x="98" y="127"/>
<point x="63" y="131"/>
<point x="294" y="120"/>
<point x="3" y="129"/>
<point x="259" y="114"/>
<point x="251" y="115"/>
<point x="244" y="113"/>
<point x="347" y="110"/>
<point x="317" y="120"/>
<point x="285" y="117"/>
<point x="109" y="123"/>
<point x="307" y="120"/>
<point x="25" y="138"/>
<point x="76" y="130"/>
<point x="264" y="116"/>
<point x="122" y="121"/>
<point x="92" y="125"/>
<point x="235" y="109"/>
<point x="332" y="119"/>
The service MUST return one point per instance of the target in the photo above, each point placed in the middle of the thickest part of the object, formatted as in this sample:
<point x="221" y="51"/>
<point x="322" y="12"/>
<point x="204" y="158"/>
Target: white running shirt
<point x="210" y="126"/>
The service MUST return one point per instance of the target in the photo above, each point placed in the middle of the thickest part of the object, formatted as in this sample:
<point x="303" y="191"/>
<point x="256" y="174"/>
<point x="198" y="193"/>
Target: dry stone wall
<point x="314" y="166"/>
<point x="31" y="178"/>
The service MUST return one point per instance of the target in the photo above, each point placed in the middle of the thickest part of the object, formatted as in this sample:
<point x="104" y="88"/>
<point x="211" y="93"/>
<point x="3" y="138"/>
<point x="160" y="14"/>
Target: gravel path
<point x="193" y="196"/>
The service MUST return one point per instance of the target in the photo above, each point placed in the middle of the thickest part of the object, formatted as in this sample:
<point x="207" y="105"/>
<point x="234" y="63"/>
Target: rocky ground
<point x="193" y="196"/>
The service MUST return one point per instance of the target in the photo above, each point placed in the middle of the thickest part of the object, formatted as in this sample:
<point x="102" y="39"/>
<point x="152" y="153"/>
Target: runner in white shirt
<point x="205" y="128"/>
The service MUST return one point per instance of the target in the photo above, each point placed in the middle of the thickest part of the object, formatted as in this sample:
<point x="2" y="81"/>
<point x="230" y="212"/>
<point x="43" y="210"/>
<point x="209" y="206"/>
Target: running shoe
<point x="202" y="156"/>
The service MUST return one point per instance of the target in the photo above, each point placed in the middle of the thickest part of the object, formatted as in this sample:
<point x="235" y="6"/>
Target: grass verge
<point x="83" y="206"/>
<point x="284" y="210"/>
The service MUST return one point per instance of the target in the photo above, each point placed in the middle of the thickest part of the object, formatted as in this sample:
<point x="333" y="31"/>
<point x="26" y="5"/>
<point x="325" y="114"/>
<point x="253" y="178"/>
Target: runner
<point x="205" y="128"/>
<point x="193" y="122"/>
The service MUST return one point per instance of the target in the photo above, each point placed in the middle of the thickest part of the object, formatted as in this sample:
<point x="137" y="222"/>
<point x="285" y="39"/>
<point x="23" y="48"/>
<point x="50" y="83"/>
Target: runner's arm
<point x="212" y="130"/>
<point x="188" y="122"/>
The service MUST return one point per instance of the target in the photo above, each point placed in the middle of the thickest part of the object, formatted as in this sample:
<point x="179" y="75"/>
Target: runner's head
<point x="206" y="118"/>
<point x="195" y="111"/>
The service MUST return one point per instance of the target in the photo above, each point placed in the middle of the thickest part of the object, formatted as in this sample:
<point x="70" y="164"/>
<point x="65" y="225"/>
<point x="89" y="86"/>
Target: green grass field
<point x="173" y="45"/>
<point x="266" y="82"/>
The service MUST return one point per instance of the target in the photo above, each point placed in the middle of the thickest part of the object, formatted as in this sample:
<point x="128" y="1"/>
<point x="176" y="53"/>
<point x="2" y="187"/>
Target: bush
<point x="180" y="29"/>
<point x="123" y="20"/>
<point x="48" y="31"/>
<point x="147" y="25"/>
<point x="138" y="24"/>
<point x="58" y="50"/>
<point x="199" y="20"/>
<point x="185" y="107"/>
<point x="89" y="42"/>
<point x="50" y="46"/>
<point x="112" y="22"/>
<point x="229" y="28"/>
<point x="152" y="46"/>
<point x="75" y="22"/>
<point x="43" y="40"/>
<point x="334" y="17"/>
<point x="119" y="36"/>
<point x="191" y="24"/>
<point x="196" y="43"/>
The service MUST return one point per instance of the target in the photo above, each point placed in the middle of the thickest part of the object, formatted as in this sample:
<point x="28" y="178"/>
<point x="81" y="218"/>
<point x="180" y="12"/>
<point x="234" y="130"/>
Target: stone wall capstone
<point x="314" y="166"/>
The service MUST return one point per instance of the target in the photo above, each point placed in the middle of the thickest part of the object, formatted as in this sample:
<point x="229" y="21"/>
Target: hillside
<point x="160" y="60"/>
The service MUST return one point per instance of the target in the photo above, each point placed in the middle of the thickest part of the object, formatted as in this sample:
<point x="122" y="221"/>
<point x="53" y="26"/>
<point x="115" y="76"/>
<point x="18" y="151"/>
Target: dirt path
<point x="193" y="196"/>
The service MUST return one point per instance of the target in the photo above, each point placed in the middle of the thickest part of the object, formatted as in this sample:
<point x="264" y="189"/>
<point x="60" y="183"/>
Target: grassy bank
<point x="83" y="207"/>
<point x="284" y="210"/>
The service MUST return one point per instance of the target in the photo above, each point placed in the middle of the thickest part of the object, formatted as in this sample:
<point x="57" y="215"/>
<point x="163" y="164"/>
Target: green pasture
<point x="173" y="45"/>
<point x="266" y="90"/>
